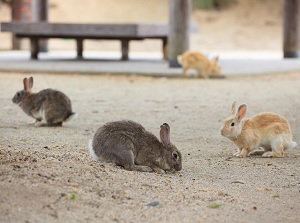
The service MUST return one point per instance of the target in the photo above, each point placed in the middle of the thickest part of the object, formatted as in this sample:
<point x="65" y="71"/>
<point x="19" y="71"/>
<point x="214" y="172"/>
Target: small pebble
<point x="46" y="147"/>
<point x="237" y="182"/>
<point x="153" y="204"/>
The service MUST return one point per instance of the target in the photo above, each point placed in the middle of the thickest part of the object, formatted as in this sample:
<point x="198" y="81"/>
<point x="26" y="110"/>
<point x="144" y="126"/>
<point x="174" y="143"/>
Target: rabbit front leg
<point x="244" y="152"/>
<point x="237" y="153"/>
<point x="157" y="169"/>
<point x="185" y="70"/>
<point x="205" y="74"/>
<point x="137" y="167"/>
<point x="38" y="122"/>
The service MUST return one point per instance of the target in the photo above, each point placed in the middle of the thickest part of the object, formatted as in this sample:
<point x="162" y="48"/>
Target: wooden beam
<point x="291" y="29"/>
<point x="179" y="27"/>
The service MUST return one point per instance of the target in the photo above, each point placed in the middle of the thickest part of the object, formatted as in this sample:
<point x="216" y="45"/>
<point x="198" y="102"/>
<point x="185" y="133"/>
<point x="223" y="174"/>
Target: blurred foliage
<point x="212" y="4"/>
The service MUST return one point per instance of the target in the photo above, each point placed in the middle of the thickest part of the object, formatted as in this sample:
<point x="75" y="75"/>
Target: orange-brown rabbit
<point x="266" y="130"/>
<point x="197" y="61"/>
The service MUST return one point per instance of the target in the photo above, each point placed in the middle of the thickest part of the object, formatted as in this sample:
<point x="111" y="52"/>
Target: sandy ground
<point x="47" y="174"/>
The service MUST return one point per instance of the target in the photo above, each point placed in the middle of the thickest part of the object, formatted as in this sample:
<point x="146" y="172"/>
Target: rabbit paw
<point x="38" y="124"/>
<point x="158" y="170"/>
<point x="236" y="154"/>
<point x="241" y="155"/>
<point x="244" y="152"/>
<point x="271" y="154"/>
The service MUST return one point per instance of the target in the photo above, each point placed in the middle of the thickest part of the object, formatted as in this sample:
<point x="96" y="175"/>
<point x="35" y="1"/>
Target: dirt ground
<point x="47" y="174"/>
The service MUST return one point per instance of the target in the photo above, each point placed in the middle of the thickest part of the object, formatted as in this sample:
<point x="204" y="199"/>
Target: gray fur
<point x="52" y="106"/>
<point x="128" y="144"/>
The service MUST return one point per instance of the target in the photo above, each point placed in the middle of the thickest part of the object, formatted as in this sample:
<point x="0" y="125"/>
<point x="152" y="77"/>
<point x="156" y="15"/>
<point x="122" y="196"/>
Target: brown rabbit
<point x="197" y="61"/>
<point x="128" y="144"/>
<point x="50" y="105"/>
<point x="266" y="130"/>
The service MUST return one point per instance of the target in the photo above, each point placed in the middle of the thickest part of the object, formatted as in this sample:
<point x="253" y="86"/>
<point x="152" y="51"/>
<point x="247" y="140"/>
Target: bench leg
<point x="79" y="44"/>
<point x="16" y="42"/>
<point x="43" y="45"/>
<point x="34" y="48"/>
<point x="125" y="49"/>
<point x="165" y="48"/>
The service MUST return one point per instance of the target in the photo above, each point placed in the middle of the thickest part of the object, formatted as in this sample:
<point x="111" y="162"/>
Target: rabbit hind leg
<point x="58" y="124"/>
<point x="126" y="160"/>
<point x="277" y="149"/>
<point x="128" y="163"/>
<point x="53" y="115"/>
<point x="51" y="120"/>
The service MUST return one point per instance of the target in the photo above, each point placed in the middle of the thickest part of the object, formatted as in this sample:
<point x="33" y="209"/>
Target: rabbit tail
<point x="92" y="152"/>
<point x="73" y="115"/>
<point x="292" y="145"/>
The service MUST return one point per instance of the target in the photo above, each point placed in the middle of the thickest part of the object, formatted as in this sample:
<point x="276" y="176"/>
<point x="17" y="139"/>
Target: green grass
<point x="73" y="197"/>
<point x="214" y="205"/>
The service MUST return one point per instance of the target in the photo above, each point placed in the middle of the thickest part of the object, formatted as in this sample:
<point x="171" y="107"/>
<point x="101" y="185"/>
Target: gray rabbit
<point x="128" y="144"/>
<point x="52" y="106"/>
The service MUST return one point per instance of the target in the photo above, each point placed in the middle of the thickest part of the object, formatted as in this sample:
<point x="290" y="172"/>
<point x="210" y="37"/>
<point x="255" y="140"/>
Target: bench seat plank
<point x="81" y="31"/>
<point x="86" y="30"/>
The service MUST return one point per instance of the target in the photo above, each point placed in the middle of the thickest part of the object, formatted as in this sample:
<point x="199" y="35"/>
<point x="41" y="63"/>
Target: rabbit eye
<point x="175" y="155"/>
<point x="232" y="124"/>
<point x="18" y="94"/>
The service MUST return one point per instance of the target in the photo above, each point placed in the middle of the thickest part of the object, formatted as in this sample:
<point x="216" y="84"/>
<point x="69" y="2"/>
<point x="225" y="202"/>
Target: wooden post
<point x="79" y="47"/>
<point x="20" y="11"/>
<point x="291" y="29"/>
<point x="179" y="27"/>
<point x="34" y="48"/>
<point x="39" y="10"/>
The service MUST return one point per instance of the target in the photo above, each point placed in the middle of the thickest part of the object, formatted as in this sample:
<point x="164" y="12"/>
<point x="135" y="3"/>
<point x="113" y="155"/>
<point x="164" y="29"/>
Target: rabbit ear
<point x="215" y="59"/>
<point x="242" y="112"/>
<point x="165" y="134"/>
<point x="233" y="108"/>
<point x="30" y="83"/>
<point x="25" y="83"/>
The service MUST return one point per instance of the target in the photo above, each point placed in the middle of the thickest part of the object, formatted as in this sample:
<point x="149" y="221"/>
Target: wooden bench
<point x="123" y="32"/>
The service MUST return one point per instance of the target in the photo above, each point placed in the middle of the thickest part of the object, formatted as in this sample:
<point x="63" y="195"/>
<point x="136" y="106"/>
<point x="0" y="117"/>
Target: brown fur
<point x="52" y="105"/>
<point x="128" y="144"/>
<point x="197" y="61"/>
<point x="266" y="130"/>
